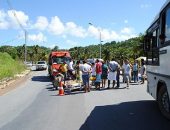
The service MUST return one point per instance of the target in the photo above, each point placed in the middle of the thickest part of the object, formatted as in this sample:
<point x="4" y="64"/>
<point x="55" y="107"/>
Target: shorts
<point x="98" y="78"/>
<point x="104" y="76"/>
<point x="85" y="79"/>
<point x="127" y="77"/>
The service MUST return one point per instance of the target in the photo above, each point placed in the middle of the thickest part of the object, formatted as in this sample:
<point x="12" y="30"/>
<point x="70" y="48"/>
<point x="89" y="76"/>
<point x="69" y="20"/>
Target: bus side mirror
<point x="162" y="38"/>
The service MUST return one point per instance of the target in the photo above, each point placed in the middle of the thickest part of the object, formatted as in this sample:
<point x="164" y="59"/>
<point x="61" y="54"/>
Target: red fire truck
<point x="56" y="58"/>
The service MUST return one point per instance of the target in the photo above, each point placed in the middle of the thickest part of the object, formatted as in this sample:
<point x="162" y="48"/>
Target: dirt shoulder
<point x="12" y="83"/>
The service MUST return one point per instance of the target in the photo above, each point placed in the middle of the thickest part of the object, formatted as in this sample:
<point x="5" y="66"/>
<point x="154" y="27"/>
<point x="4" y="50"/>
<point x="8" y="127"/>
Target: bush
<point x="8" y="66"/>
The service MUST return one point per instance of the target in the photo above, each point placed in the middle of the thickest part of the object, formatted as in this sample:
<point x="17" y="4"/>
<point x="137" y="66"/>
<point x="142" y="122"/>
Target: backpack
<point x="113" y="67"/>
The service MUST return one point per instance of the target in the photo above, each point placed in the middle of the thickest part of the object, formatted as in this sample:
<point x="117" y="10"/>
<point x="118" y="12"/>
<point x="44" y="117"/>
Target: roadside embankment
<point x="10" y="70"/>
<point x="9" y="67"/>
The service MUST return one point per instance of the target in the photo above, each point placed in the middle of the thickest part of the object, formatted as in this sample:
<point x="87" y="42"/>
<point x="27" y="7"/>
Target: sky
<point x="65" y="23"/>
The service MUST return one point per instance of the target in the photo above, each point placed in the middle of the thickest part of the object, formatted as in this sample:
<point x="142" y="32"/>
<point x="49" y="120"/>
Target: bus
<point x="157" y="52"/>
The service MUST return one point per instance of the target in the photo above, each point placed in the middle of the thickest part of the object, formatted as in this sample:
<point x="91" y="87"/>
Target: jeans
<point x="117" y="78"/>
<point x="135" y="76"/>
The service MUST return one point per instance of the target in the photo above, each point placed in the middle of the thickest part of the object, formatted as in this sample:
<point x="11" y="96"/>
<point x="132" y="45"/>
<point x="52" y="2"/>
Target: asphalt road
<point x="34" y="105"/>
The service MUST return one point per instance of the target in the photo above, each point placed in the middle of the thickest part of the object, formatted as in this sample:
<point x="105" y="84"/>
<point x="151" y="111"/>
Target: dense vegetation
<point x="11" y="58"/>
<point x="34" y="53"/>
<point x="130" y="49"/>
<point x="8" y="66"/>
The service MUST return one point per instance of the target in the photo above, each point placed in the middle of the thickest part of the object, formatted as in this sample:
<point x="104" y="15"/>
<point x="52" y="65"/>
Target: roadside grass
<point x="9" y="67"/>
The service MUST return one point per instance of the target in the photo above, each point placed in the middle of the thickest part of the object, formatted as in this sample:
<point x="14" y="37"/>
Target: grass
<point x="9" y="67"/>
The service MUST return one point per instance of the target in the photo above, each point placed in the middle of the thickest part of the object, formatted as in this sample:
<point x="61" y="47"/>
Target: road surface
<point x="34" y="105"/>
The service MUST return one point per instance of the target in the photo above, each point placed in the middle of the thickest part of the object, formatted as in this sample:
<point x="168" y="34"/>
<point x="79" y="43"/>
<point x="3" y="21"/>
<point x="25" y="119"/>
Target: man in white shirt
<point x="71" y="69"/>
<point x="127" y="72"/>
<point x="86" y="70"/>
<point x="112" y="66"/>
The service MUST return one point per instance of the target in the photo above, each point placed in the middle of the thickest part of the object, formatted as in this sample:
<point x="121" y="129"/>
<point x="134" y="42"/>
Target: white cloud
<point x="13" y="19"/>
<point x="123" y="37"/>
<point x="17" y="17"/>
<point x="41" y="23"/>
<point x="93" y="31"/>
<point x="56" y="27"/>
<point x="105" y="33"/>
<point x="3" y="23"/>
<point x="75" y="30"/>
<point x="126" y="30"/>
<point x="108" y="35"/>
<point x="52" y="46"/>
<point x="37" y="37"/>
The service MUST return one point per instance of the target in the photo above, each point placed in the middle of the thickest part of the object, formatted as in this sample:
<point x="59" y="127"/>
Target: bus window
<point x="167" y="27"/>
<point x="154" y="40"/>
<point x="152" y="47"/>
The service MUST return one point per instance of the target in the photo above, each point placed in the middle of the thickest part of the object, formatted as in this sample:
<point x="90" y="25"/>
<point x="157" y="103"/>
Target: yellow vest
<point x="64" y="68"/>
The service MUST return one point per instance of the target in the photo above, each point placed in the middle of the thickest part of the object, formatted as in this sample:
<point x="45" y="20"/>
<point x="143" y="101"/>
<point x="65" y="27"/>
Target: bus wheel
<point x="163" y="102"/>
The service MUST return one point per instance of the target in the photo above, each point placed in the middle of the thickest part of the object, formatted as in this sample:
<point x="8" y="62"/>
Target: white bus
<point x="157" y="50"/>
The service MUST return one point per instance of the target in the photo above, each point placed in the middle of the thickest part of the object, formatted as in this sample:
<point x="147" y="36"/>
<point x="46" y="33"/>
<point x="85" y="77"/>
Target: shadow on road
<point x="41" y="78"/>
<point x="137" y="115"/>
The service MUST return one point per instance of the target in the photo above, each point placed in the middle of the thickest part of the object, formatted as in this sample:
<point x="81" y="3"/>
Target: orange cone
<point x="61" y="90"/>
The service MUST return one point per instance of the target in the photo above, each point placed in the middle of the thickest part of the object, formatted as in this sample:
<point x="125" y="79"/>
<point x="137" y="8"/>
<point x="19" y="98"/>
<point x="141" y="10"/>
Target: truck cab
<point x="57" y="58"/>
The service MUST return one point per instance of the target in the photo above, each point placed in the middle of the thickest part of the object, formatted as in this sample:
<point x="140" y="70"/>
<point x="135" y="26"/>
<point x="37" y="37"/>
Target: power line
<point x="21" y="26"/>
<point x="14" y="39"/>
<point x="15" y="15"/>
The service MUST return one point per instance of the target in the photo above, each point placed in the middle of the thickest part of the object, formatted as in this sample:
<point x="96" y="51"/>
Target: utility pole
<point x="25" y="51"/>
<point x="23" y="29"/>
<point x="100" y="42"/>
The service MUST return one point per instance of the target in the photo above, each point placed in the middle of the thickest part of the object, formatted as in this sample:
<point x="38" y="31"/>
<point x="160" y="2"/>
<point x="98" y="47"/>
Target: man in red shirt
<point x="98" y="74"/>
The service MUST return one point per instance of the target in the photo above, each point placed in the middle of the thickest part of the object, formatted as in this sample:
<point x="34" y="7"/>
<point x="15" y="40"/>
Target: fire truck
<point x="56" y="58"/>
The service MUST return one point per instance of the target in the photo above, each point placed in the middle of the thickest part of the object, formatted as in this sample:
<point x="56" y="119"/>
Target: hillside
<point x="8" y="66"/>
<point x="131" y="49"/>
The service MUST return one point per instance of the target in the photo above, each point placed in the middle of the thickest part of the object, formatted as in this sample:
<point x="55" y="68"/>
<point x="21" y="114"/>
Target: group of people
<point x="134" y="72"/>
<point x="101" y="71"/>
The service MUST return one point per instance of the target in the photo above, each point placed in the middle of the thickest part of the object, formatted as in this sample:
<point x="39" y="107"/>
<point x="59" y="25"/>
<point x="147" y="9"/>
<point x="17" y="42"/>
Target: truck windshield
<point x="41" y="62"/>
<point x="60" y="60"/>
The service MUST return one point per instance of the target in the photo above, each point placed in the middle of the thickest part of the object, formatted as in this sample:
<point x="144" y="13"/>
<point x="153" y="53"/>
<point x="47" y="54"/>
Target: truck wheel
<point x="163" y="102"/>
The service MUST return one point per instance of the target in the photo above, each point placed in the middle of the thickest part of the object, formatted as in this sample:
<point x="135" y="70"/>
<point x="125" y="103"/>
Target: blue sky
<point x="65" y="23"/>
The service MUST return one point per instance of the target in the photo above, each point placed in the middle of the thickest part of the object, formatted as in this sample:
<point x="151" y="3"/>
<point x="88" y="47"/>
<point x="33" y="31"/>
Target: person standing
<point x="104" y="73"/>
<point x="135" y="71"/>
<point x="113" y="65"/>
<point x="143" y="71"/>
<point x="86" y="70"/>
<point x="118" y="76"/>
<point x="71" y="69"/>
<point x="127" y="72"/>
<point x="93" y="72"/>
<point x="98" y="74"/>
<point x="64" y="69"/>
<point x="78" y="72"/>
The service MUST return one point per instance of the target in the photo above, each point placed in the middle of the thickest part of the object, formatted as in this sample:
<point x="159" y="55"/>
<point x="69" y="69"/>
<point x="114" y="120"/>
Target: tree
<point x="10" y="50"/>
<point x="56" y="48"/>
